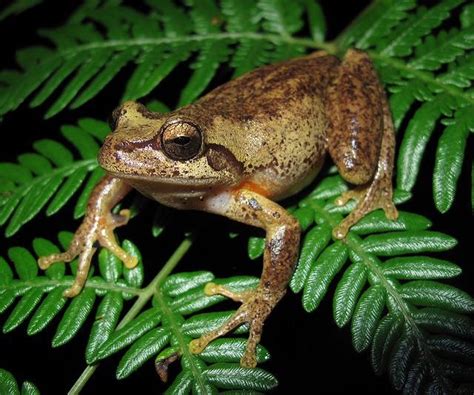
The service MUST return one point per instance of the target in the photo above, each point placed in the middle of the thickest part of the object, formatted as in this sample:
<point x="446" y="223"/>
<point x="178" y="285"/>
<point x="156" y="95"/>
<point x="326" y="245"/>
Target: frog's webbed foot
<point x="257" y="304"/>
<point x="377" y="195"/>
<point x="97" y="227"/>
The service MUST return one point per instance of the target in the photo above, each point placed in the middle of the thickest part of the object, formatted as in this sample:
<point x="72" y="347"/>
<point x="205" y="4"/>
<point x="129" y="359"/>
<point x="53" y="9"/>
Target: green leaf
<point x="8" y="384"/>
<point x="410" y="242"/>
<point x="32" y="204"/>
<point x="230" y="350"/>
<point x="305" y="217"/>
<point x="435" y="294"/>
<point x="87" y="70"/>
<point x="25" y="264"/>
<point x="23" y="309"/>
<point x="409" y="34"/>
<point x="54" y="151"/>
<point x="132" y="331"/>
<point x="400" y="360"/>
<point x="177" y="284"/>
<point x="209" y="59"/>
<point x="347" y="293"/>
<point x="52" y="304"/>
<point x="181" y="384"/>
<point x="74" y="317"/>
<point x="111" y="69"/>
<point x="414" y="142"/>
<point x="232" y="376"/>
<point x="317" y="23"/>
<point x="72" y="184"/>
<point x="442" y="321"/>
<point x="449" y="159"/>
<point x="141" y="351"/>
<point x="29" y="389"/>
<point x="64" y="70"/>
<point x="85" y="144"/>
<point x="255" y="247"/>
<point x="199" y="324"/>
<point x="322" y="273"/>
<point x="377" y="222"/>
<point x="366" y="316"/>
<point x="15" y="173"/>
<point x="110" y="266"/>
<point x="313" y="244"/>
<point x="106" y="319"/>
<point x="419" y="268"/>
<point x="388" y="331"/>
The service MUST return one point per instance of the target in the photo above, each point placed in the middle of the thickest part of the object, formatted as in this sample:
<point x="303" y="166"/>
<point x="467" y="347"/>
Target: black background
<point x="309" y="352"/>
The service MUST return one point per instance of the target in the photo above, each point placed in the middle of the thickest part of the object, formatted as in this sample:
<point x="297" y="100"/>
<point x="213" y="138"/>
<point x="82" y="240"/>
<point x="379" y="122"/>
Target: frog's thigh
<point x="282" y="234"/>
<point x="355" y="118"/>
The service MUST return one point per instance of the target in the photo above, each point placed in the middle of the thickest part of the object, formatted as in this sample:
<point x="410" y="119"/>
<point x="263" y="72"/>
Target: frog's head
<point x="172" y="152"/>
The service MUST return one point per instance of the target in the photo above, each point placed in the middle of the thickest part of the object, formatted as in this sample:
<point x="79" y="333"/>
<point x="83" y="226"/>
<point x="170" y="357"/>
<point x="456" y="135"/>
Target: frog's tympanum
<point x="247" y="144"/>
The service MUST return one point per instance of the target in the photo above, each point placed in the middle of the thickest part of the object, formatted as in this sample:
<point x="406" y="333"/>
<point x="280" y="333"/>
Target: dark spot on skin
<point x="220" y="158"/>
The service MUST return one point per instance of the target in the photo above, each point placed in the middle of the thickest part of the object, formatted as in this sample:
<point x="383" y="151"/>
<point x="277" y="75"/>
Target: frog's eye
<point x="181" y="140"/>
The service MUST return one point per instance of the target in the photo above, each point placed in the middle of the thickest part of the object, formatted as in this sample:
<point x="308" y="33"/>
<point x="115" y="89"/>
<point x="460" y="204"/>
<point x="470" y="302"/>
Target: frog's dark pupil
<point x="182" y="140"/>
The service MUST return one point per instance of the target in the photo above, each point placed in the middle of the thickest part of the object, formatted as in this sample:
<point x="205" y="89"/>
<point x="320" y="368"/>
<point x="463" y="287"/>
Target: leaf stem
<point x="144" y="296"/>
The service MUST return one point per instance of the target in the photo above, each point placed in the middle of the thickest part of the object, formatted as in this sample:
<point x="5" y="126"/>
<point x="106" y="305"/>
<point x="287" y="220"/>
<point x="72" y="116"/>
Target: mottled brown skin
<point x="237" y="150"/>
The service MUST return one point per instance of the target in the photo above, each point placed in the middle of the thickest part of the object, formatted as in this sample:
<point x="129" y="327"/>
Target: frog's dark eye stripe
<point x="181" y="140"/>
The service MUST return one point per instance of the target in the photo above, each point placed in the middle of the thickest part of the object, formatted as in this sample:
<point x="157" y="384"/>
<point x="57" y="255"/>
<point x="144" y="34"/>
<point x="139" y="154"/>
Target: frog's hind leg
<point x="361" y="139"/>
<point x="279" y="258"/>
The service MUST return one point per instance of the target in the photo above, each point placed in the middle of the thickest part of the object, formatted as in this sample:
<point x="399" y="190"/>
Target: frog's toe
<point x="346" y="196"/>
<point x="390" y="210"/>
<point x="255" y="308"/>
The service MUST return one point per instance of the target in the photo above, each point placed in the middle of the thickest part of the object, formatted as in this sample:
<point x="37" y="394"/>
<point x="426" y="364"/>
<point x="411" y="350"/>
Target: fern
<point x="51" y="174"/>
<point x="387" y="283"/>
<point x="394" y="307"/>
<point x="84" y="61"/>
<point x="145" y="333"/>
<point x="8" y="385"/>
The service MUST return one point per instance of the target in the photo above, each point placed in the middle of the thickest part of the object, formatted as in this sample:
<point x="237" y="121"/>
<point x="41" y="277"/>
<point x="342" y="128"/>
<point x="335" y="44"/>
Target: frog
<point x="237" y="152"/>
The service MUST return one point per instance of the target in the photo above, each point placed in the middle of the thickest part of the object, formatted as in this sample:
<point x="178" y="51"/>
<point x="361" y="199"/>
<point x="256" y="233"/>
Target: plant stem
<point x="144" y="296"/>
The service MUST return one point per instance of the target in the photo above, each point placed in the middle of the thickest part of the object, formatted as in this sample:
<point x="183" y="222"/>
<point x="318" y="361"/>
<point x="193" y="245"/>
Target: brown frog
<point x="235" y="152"/>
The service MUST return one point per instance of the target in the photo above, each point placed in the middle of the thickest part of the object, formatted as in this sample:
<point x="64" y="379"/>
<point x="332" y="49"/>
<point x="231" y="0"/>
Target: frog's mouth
<point x="165" y="182"/>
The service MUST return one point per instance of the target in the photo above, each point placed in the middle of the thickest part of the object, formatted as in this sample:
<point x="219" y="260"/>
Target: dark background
<point x="309" y="352"/>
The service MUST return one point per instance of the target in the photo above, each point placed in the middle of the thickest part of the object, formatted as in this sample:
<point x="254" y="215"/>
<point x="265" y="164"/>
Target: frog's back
<point x="273" y="121"/>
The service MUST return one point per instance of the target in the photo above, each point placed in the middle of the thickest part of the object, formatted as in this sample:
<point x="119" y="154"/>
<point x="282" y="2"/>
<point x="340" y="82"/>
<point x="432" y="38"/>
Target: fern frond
<point x="101" y="40"/>
<point x="384" y="300"/>
<point x="17" y="7"/>
<point x="164" y="328"/>
<point x="51" y="174"/>
<point x="9" y="385"/>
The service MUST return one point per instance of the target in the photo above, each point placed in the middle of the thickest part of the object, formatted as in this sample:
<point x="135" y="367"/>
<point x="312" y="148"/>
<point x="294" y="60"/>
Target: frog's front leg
<point x="281" y="250"/>
<point x="361" y="138"/>
<point x="97" y="226"/>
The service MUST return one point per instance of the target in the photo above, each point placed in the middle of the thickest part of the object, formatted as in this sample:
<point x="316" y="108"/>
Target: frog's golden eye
<point x="181" y="140"/>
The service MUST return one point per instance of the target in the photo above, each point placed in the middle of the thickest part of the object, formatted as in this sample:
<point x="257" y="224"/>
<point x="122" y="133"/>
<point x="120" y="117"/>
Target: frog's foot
<point x="95" y="228"/>
<point x="257" y="304"/>
<point x="377" y="195"/>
